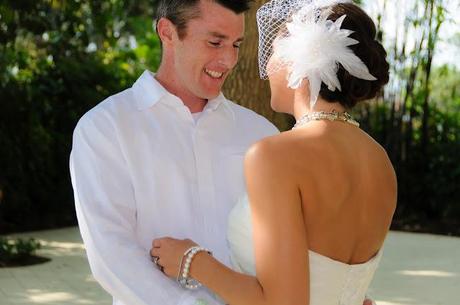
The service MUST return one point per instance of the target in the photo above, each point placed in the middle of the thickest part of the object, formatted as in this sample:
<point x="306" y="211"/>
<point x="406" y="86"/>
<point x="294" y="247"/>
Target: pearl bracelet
<point x="183" y="277"/>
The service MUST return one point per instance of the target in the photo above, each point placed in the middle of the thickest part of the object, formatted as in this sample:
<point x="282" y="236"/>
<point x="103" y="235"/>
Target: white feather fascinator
<point x="300" y="38"/>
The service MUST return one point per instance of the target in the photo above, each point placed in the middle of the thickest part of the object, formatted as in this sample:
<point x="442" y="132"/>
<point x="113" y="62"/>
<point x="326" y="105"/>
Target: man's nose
<point x="229" y="57"/>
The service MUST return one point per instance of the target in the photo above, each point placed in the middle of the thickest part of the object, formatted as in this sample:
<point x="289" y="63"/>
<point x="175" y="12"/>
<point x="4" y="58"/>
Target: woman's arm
<point x="281" y="248"/>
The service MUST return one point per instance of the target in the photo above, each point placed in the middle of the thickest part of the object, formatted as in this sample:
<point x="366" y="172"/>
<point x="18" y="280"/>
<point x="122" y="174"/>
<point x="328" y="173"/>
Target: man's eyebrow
<point x="223" y="36"/>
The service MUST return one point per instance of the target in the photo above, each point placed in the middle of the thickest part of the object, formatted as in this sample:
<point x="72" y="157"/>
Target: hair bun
<point x="369" y="50"/>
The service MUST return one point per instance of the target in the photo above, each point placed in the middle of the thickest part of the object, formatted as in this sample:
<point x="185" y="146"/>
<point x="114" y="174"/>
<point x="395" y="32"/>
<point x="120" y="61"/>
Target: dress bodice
<point x="331" y="282"/>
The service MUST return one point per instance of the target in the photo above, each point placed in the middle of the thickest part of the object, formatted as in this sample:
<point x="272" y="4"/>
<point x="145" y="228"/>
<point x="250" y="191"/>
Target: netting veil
<point x="296" y="35"/>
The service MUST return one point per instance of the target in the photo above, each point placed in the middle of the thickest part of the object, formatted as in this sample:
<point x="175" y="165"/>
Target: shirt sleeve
<point x="106" y="212"/>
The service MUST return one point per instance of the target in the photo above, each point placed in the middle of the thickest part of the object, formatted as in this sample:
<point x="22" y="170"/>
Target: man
<point x="165" y="157"/>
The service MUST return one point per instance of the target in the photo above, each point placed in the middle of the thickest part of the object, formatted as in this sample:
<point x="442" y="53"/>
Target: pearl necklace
<point x="323" y="115"/>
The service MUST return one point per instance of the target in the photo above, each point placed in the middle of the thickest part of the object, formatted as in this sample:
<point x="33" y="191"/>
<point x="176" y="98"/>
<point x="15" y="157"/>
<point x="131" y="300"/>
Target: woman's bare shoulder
<point x="283" y="152"/>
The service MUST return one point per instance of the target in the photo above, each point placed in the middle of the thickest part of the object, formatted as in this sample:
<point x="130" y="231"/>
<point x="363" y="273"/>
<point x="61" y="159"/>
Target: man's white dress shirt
<point x="142" y="167"/>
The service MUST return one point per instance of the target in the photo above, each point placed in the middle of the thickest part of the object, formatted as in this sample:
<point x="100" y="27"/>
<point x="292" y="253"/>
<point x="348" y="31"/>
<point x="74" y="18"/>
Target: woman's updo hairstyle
<point x="369" y="50"/>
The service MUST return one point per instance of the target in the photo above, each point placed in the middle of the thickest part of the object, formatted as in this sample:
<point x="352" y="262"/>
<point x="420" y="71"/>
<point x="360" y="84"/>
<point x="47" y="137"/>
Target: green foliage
<point x="445" y="89"/>
<point x="17" y="249"/>
<point x="428" y="176"/>
<point x="417" y="119"/>
<point x="57" y="60"/>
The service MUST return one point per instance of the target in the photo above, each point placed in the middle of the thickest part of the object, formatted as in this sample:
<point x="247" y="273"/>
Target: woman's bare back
<point x="347" y="187"/>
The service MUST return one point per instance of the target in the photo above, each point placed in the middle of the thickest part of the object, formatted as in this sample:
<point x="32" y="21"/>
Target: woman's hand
<point x="168" y="253"/>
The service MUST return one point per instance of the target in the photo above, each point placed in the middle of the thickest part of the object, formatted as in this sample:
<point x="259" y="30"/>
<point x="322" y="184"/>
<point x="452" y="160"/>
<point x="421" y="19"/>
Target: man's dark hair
<point x="179" y="12"/>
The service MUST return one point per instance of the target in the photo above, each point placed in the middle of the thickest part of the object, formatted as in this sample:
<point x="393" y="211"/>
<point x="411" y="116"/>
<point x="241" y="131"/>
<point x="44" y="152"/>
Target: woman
<point x="322" y="195"/>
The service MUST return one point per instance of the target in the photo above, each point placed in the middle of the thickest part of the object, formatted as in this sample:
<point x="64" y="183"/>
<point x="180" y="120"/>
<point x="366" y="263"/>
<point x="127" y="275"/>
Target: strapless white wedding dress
<point x="331" y="282"/>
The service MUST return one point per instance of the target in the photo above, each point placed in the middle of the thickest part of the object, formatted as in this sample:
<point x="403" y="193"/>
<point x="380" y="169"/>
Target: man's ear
<point x="166" y="31"/>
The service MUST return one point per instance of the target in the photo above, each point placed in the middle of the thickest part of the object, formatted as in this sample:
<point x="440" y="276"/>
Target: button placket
<point x="204" y="177"/>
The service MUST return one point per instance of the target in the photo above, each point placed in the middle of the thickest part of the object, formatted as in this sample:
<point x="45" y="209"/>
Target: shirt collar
<point x="214" y="103"/>
<point x="148" y="91"/>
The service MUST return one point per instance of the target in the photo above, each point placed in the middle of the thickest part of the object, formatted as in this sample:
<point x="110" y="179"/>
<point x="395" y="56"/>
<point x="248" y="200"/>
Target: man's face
<point x="208" y="52"/>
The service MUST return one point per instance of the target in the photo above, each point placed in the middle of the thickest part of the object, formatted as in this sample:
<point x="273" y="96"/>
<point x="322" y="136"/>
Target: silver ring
<point x="155" y="260"/>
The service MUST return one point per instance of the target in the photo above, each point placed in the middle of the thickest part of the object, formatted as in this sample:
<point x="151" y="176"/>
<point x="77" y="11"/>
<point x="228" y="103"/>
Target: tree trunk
<point x="433" y="28"/>
<point x="427" y="67"/>
<point x="244" y="85"/>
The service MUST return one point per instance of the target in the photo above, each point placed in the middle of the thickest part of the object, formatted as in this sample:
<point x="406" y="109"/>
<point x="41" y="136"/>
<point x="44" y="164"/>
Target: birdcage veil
<point x="301" y="38"/>
<point x="271" y="23"/>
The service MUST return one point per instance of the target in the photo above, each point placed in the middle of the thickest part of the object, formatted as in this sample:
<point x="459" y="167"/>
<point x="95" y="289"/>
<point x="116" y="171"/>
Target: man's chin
<point x="211" y="90"/>
<point x="210" y="94"/>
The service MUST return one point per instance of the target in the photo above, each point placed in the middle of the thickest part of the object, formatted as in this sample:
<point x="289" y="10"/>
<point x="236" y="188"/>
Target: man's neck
<point x="168" y="81"/>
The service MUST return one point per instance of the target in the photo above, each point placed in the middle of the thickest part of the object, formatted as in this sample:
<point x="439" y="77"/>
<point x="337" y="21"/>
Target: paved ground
<point x="416" y="269"/>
